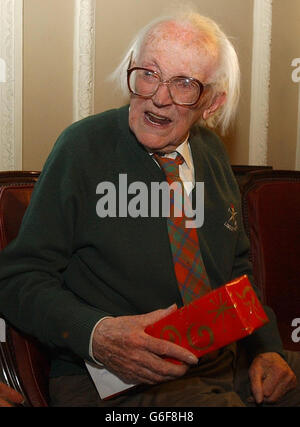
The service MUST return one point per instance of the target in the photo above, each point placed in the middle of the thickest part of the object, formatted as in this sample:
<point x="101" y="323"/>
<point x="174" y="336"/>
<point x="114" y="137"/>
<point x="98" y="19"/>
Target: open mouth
<point x="156" y="119"/>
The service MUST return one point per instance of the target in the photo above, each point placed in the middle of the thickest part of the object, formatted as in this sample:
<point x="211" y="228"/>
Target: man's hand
<point x="124" y="348"/>
<point x="271" y="378"/>
<point x="9" y="397"/>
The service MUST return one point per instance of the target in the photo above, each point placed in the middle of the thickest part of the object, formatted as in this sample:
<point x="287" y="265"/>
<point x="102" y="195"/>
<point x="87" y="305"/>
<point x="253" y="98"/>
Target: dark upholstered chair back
<point x="271" y="211"/>
<point x="23" y="361"/>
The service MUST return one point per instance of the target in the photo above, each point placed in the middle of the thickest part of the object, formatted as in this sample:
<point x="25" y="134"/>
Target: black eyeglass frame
<point x="167" y="82"/>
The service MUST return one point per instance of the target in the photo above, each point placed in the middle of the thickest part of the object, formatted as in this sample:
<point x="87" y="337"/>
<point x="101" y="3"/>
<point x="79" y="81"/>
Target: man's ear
<point x="217" y="102"/>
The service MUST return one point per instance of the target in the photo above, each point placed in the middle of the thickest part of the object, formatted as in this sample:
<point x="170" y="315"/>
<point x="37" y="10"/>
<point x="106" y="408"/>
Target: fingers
<point x="256" y="378"/>
<point x="277" y="386"/>
<point x="138" y="365"/>
<point x="165" y="348"/>
<point x="155" y="316"/>
<point x="143" y="359"/>
<point x="171" y="350"/>
<point x="5" y="404"/>
<point x="147" y="369"/>
<point x="271" y="378"/>
<point x="9" y="396"/>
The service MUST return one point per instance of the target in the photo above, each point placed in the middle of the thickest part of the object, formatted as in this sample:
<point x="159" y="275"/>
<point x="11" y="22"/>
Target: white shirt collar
<point x="185" y="150"/>
<point x="186" y="170"/>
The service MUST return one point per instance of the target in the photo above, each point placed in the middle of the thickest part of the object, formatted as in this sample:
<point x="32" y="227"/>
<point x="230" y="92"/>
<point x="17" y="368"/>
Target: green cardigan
<point x="68" y="267"/>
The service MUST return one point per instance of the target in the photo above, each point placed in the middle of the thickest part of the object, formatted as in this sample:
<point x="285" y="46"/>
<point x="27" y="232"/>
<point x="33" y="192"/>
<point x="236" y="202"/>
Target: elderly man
<point x="87" y="284"/>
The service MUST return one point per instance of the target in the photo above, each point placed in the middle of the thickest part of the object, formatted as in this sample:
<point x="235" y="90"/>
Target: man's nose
<point x="162" y="97"/>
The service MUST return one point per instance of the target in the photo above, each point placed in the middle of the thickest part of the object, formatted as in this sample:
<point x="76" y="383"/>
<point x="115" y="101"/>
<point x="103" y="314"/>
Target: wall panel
<point x="48" y="76"/>
<point x="11" y="34"/>
<point x="284" y="95"/>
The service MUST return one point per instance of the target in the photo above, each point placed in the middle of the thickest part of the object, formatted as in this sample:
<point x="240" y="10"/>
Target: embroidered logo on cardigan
<point x="232" y="223"/>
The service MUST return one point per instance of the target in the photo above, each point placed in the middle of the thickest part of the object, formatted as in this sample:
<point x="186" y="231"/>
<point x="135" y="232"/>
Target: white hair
<point x="226" y="77"/>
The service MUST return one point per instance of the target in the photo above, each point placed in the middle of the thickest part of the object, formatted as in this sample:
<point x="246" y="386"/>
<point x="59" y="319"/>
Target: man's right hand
<point x="124" y="348"/>
<point x="9" y="397"/>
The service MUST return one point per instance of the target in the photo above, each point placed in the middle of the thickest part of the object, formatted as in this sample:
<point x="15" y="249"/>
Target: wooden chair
<point x="241" y="172"/>
<point x="271" y="212"/>
<point x="24" y="364"/>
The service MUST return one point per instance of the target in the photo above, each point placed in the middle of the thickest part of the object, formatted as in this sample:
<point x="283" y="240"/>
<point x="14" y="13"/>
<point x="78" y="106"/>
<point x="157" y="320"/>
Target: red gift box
<point x="215" y="320"/>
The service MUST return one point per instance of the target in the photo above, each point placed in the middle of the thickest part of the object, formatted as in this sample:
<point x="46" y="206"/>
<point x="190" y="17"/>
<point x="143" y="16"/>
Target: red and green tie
<point x="189" y="267"/>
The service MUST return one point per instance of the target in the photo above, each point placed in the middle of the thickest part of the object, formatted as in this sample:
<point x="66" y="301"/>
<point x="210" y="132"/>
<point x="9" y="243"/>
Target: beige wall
<point x="48" y="69"/>
<point x="284" y="92"/>
<point x="48" y="65"/>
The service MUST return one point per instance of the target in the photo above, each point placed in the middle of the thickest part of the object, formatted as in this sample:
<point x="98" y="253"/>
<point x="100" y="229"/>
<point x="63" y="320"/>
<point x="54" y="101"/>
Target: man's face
<point x="158" y="123"/>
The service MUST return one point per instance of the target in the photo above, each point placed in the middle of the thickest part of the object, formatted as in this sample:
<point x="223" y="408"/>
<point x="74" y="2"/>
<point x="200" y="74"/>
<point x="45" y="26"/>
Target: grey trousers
<point x="221" y="382"/>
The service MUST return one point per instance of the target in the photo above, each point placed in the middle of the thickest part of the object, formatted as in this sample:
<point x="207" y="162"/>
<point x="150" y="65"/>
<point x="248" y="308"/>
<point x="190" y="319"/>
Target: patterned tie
<point x="189" y="267"/>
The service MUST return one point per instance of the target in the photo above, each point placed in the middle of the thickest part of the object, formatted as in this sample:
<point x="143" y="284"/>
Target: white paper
<point x="107" y="384"/>
<point x="2" y="331"/>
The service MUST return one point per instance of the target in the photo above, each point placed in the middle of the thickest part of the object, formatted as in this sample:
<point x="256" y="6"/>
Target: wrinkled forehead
<point x="181" y="49"/>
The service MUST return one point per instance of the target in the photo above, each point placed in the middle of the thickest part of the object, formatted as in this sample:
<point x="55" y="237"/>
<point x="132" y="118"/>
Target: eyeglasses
<point x="145" y="83"/>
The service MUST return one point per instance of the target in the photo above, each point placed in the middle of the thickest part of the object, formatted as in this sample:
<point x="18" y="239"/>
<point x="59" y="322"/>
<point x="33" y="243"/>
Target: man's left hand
<point x="271" y="378"/>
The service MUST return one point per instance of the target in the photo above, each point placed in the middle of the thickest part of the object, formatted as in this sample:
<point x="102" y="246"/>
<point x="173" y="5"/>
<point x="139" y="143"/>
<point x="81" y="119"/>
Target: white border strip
<point x="84" y="59"/>
<point x="261" y="65"/>
<point x="11" y="51"/>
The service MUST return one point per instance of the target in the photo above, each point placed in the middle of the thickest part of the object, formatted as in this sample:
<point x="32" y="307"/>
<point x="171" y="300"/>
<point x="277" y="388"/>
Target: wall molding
<point x="260" y="87"/>
<point x="84" y="59"/>
<point x="297" y="164"/>
<point x="11" y="51"/>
